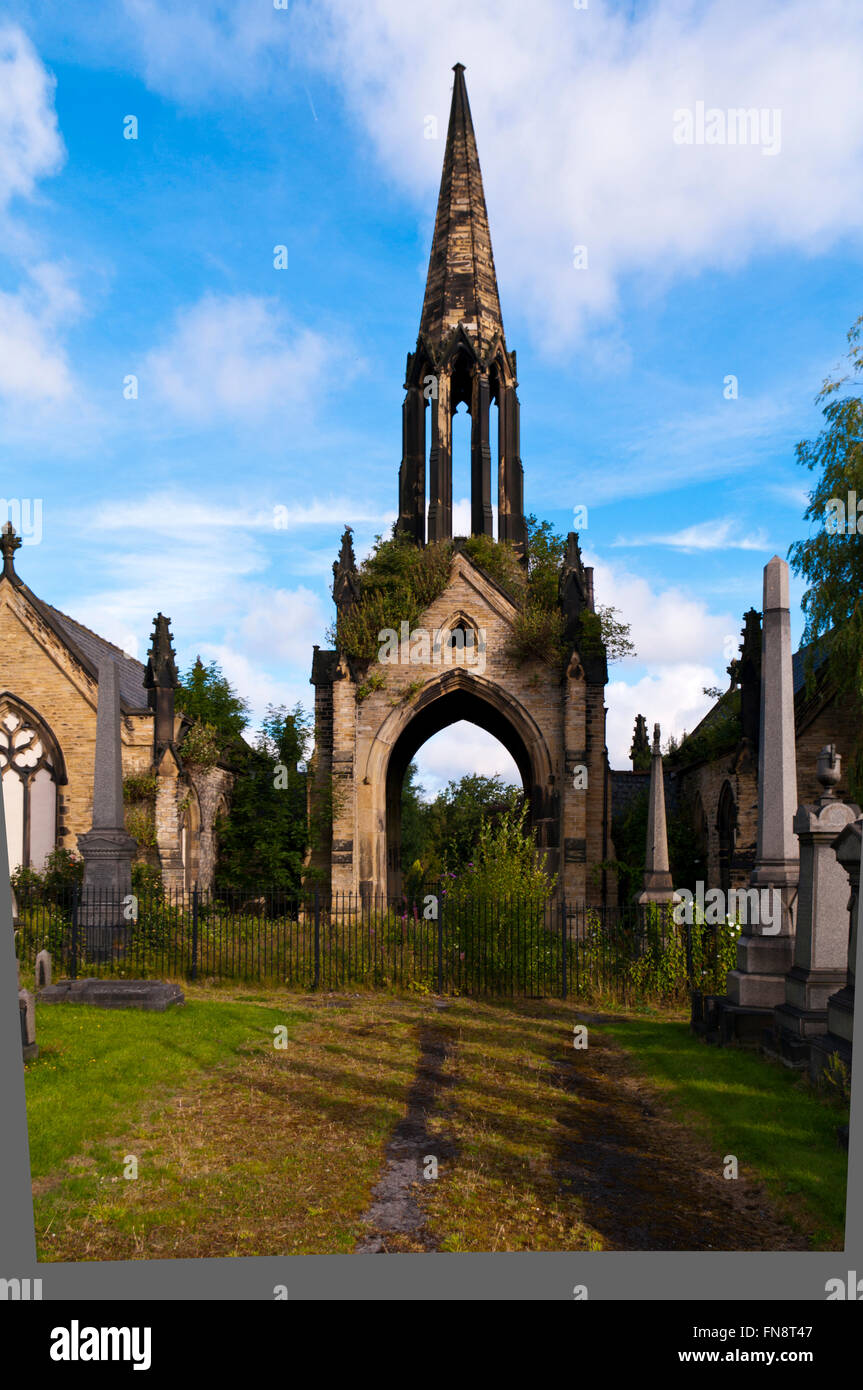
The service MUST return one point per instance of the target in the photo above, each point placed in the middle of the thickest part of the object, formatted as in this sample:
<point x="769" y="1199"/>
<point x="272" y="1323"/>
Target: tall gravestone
<point x="765" y="950"/>
<point x="106" y="848"/>
<point x="657" y="886"/>
<point x="27" y="1016"/>
<point x="839" y="1037"/>
<point x="821" y="937"/>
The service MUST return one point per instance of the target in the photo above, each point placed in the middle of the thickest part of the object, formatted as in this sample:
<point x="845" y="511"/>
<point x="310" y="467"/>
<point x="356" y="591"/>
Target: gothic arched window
<point x="31" y="767"/>
<point x="726" y="825"/>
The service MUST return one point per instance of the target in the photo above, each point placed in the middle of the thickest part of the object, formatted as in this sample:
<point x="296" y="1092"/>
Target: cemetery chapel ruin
<point x="456" y="661"/>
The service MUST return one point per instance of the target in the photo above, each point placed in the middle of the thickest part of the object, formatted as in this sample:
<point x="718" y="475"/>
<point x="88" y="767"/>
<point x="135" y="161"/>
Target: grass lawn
<point x="244" y="1148"/>
<point x="763" y="1113"/>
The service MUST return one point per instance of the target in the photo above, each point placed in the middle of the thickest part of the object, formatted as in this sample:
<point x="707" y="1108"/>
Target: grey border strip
<point x="607" y="1275"/>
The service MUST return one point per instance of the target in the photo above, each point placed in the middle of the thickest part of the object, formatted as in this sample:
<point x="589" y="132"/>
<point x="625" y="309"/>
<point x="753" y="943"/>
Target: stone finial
<point x="828" y="769"/>
<point x="161" y="670"/>
<point x="639" y="751"/>
<point x="656" y="748"/>
<point x="9" y="543"/>
<point x="346" y="587"/>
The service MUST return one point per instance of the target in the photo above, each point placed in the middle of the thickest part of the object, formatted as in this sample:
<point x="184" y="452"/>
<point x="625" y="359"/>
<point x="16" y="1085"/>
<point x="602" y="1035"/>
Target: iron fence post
<point x="440" y="941"/>
<point x="317" y="941"/>
<point x="73" y="949"/>
<point x="193" y="971"/>
<point x="563" y="941"/>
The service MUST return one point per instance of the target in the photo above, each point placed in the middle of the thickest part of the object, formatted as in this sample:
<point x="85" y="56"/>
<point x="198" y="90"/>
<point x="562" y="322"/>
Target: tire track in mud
<point x="394" y="1211"/>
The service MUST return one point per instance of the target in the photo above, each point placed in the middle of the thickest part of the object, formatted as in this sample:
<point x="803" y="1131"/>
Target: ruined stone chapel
<point x="372" y="716"/>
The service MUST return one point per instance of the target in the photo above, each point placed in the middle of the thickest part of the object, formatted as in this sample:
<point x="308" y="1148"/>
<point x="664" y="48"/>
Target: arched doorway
<point x="457" y="697"/>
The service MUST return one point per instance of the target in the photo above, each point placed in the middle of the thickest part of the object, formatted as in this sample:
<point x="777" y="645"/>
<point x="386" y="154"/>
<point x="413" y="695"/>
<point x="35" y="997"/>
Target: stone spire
<point x="161" y="679"/>
<point x="765" y="950"/>
<point x="461" y="357"/>
<point x="106" y="848"/>
<point x="9" y="543"/>
<point x="461" y="287"/>
<point x="657" y="876"/>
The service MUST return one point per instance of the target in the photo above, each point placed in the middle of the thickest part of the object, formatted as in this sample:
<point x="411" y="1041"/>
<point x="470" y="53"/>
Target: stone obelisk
<point x="765" y="949"/>
<point x="106" y="848"/>
<point x="821" y="936"/>
<point x="657" y="875"/>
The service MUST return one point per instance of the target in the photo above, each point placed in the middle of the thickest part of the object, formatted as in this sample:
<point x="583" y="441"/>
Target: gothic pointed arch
<point x="32" y="769"/>
<point x="726" y="828"/>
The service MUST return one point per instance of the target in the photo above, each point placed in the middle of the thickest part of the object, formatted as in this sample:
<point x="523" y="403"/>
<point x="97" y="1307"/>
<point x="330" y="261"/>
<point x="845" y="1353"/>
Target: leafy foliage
<point x="202" y="746"/>
<point x="832" y="564"/>
<point x="397" y="582"/>
<point x="442" y="835"/>
<point x="263" y="841"/>
<point x="206" y="695"/>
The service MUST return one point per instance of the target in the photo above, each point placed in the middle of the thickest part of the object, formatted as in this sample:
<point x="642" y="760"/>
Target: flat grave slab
<point x="155" y="995"/>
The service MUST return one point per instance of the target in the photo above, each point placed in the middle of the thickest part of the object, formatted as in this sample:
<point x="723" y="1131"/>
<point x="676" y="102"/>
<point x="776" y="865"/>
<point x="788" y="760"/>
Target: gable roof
<point x="87" y="648"/>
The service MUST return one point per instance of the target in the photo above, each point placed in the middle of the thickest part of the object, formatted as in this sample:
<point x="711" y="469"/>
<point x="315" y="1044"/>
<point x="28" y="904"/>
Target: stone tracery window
<point x="29" y="771"/>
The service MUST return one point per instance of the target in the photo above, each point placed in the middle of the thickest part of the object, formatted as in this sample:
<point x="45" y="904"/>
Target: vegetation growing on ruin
<point x="399" y="580"/>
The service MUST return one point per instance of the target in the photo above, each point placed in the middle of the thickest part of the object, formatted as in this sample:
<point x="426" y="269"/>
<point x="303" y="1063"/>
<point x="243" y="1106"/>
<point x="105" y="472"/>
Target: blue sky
<point x="261" y="388"/>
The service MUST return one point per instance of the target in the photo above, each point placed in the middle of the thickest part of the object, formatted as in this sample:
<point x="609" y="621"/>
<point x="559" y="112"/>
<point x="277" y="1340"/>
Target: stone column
<point x="765" y="952"/>
<point x="480" y="450"/>
<point x="821" y="938"/>
<point x="658" y="887"/>
<point x="106" y="848"/>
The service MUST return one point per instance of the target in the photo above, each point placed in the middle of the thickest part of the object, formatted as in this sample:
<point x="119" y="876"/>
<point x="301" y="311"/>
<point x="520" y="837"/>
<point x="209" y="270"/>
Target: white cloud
<point x="30" y="143"/>
<point x="33" y="362"/>
<point x="237" y="357"/>
<point x="461" y="749"/>
<point x="668" y="626"/>
<point x="721" y="534"/>
<point x="574" y="112"/>
<point x="673" y="698"/>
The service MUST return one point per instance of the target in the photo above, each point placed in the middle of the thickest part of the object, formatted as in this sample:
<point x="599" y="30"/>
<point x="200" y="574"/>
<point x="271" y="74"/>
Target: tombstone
<point x="43" y="969"/>
<point x="765" y="953"/>
<point x="106" y="848"/>
<point x="657" y="887"/>
<point x="155" y="996"/>
<point x="821" y="939"/>
<point x="27" y="1016"/>
<point x="839" y="1037"/>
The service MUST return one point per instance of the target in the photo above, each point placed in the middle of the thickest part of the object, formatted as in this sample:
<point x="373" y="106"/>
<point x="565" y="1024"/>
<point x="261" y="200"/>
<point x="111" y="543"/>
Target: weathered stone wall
<point x="37" y="668"/>
<point x="707" y="780"/>
<point x="561" y="721"/>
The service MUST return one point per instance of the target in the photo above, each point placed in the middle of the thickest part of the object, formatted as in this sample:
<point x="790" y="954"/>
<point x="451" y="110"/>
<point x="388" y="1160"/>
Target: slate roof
<point x="97" y="649"/>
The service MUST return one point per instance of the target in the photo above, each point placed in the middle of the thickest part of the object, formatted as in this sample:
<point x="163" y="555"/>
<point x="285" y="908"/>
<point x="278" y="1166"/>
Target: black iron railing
<point x="439" y="941"/>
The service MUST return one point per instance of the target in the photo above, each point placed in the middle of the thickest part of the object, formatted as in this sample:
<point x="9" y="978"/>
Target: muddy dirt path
<point x="648" y="1182"/>
<point x="394" y="1210"/>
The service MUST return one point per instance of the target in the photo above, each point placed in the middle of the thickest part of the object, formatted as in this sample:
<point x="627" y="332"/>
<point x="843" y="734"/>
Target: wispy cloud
<point x="722" y="534"/>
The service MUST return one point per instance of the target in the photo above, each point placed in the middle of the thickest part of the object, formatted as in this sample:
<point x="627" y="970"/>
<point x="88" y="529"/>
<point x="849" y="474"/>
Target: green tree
<point x="414" y="821"/>
<point x="456" y="817"/>
<point x="831" y="559"/>
<point x="263" y="841"/>
<point x="206" y="695"/>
